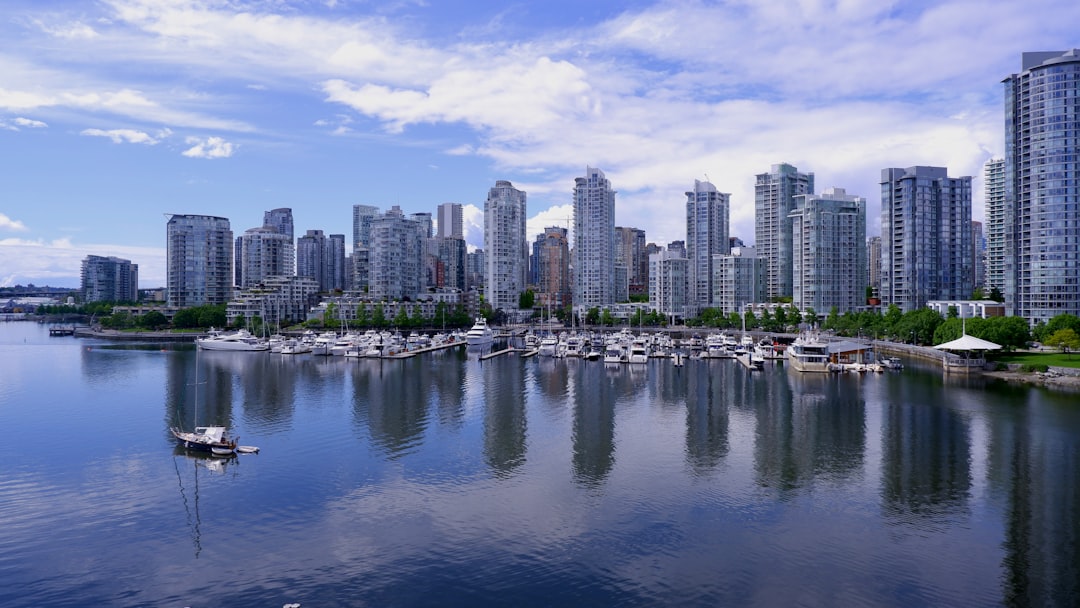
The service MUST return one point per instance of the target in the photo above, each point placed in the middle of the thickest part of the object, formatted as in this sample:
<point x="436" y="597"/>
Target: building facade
<point x="774" y="200"/>
<point x="1042" y="186"/>
<point x="506" y="246"/>
<point x="450" y="221"/>
<point x="280" y="220"/>
<point x="669" y="277"/>
<point x="594" y="241"/>
<point x="925" y="236"/>
<point x="873" y="261"/>
<point x="829" y="251"/>
<point x="395" y="257"/>
<point x="109" y="279"/>
<point x="199" y="260"/>
<point x="739" y="279"/>
<point x="264" y="252"/>
<point x="708" y="234"/>
<point x="994" y="192"/>
<point x="553" y="268"/>
<point x="630" y="252"/>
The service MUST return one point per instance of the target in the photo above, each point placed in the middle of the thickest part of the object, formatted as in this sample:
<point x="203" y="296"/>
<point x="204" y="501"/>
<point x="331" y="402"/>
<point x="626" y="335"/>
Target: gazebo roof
<point x="966" y="342"/>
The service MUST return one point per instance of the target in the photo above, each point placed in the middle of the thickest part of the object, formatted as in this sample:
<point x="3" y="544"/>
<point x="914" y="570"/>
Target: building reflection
<point x="926" y="454"/>
<point x="707" y="402"/>
<point x="390" y="398"/>
<point x="504" y="415"/>
<point x="808" y="425"/>
<point x="594" y="391"/>
<point x="1033" y="471"/>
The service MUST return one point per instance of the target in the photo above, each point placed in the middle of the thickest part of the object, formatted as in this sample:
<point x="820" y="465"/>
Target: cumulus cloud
<point x="209" y="147"/>
<point x="6" y="223"/>
<point x="59" y="261"/>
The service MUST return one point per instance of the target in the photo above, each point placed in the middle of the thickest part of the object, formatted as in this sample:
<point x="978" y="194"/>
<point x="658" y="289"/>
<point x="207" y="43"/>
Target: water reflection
<point x="808" y="425"/>
<point x="504" y="415"/>
<point x="390" y="398"/>
<point x="707" y="401"/>
<point x="594" y="391"/>
<point x="926" y="455"/>
<point x="197" y="391"/>
<point x="1035" y="473"/>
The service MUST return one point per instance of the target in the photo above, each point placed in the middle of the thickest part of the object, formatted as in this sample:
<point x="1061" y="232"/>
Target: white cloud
<point x="472" y="225"/>
<point x="72" y="31"/>
<point x="120" y="136"/>
<point x="210" y="147"/>
<point x="30" y="123"/>
<point x="6" y="223"/>
<point x="59" y="261"/>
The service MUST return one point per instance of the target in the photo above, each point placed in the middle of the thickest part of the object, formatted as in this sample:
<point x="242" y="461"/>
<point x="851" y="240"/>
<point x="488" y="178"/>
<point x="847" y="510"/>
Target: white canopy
<point x="966" y="342"/>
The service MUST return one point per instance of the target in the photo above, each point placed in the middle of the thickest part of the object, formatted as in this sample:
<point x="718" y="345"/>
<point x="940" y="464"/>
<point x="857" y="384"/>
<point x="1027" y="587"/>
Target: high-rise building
<point x="829" y="251"/>
<point x="335" y="262"/>
<point x="708" y="234"/>
<point x="739" y="279"/>
<point x="994" y="191"/>
<point x="506" y="246"/>
<point x="362" y="217"/>
<point x="109" y="279"/>
<point x="1042" y="186"/>
<point x="311" y="257"/>
<point x="978" y="256"/>
<point x="668" y="283"/>
<point x="264" y="252"/>
<point x="677" y="248"/>
<point x="450" y="221"/>
<point x="630" y="252"/>
<point x="451" y="262"/>
<point x="774" y="200"/>
<point x="280" y="219"/>
<point x="427" y="224"/>
<point x="199" y="260"/>
<point x="475" y="267"/>
<point x="873" y="259"/>
<point x="594" y="241"/>
<point x="925" y="236"/>
<point x="553" y="268"/>
<point x="397" y="245"/>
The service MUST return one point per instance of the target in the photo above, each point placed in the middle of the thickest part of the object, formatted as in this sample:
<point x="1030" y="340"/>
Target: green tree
<point x="1064" y="321"/>
<point x="606" y="318"/>
<point x="592" y="316"/>
<point x="810" y="317"/>
<point x="892" y="321"/>
<point x="527" y="299"/>
<point x="417" y="319"/>
<point x="832" y="320"/>
<point x="378" y="317"/>
<point x="1065" y="340"/>
<point x="363" y="317"/>
<point x="995" y="295"/>
<point x="187" y="318"/>
<point x="152" y="320"/>
<point x="401" y="319"/>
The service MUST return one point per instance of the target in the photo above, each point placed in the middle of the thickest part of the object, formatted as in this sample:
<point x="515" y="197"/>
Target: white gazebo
<point x="965" y="354"/>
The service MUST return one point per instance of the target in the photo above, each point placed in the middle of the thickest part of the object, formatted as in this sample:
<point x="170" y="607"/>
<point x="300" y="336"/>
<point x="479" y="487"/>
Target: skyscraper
<point x="594" y="241"/>
<point x="553" y="268"/>
<point x="994" y="189"/>
<point x="450" y="221"/>
<point x="925" y="237"/>
<point x="264" y="252"/>
<point x="829" y="251"/>
<point x="1042" y="186"/>
<point x="280" y="219"/>
<point x="199" y="260"/>
<point x="873" y="260"/>
<point x="109" y="279"/>
<point x="397" y="245"/>
<point x="668" y="280"/>
<point x="774" y="200"/>
<point x="630" y="252"/>
<point x="506" y="246"/>
<point x="739" y="279"/>
<point x="707" y="234"/>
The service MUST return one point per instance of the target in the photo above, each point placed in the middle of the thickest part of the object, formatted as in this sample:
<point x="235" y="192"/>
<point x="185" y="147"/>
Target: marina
<point x="441" y="479"/>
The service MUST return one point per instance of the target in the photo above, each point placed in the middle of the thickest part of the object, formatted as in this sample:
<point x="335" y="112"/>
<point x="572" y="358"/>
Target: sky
<point x="115" y="114"/>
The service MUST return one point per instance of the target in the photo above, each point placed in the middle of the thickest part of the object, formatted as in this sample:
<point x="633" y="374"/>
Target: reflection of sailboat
<point x="212" y="439"/>
<point x="198" y="460"/>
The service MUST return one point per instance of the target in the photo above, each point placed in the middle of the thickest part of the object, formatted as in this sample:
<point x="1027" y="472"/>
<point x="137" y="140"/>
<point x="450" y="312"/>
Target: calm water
<point x="445" y="481"/>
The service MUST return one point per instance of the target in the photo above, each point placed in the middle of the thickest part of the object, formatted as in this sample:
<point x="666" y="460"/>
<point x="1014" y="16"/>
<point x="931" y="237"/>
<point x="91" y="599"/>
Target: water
<point x="446" y="481"/>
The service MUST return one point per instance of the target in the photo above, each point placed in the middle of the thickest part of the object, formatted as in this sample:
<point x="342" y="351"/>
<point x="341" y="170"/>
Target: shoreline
<point x="1046" y="380"/>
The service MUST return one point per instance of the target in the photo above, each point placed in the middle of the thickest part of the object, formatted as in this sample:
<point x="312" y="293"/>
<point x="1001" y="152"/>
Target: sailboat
<point x="213" y="439"/>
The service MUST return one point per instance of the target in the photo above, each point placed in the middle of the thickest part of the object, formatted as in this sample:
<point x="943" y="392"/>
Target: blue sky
<point x="115" y="113"/>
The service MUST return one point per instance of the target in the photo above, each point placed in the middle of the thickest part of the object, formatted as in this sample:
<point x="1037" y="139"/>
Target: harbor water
<point x="447" y="480"/>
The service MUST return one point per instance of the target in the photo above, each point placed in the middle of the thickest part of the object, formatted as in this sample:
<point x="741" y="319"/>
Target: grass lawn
<point x="1054" y="359"/>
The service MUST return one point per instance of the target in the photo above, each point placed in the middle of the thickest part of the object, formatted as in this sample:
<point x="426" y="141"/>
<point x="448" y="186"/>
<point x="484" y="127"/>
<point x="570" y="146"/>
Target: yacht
<point x="239" y="340"/>
<point x="549" y="346"/>
<point x="480" y="334"/>
<point x="639" y="351"/>
<point x="809" y="353"/>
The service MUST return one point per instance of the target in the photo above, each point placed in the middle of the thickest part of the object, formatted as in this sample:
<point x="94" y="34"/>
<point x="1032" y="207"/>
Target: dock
<point x="405" y="354"/>
<point x="62" y="331"/>
<point x="497" y="353"/>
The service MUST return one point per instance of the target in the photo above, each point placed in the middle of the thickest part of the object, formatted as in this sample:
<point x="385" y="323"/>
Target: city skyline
<point x="116" y="113"/>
